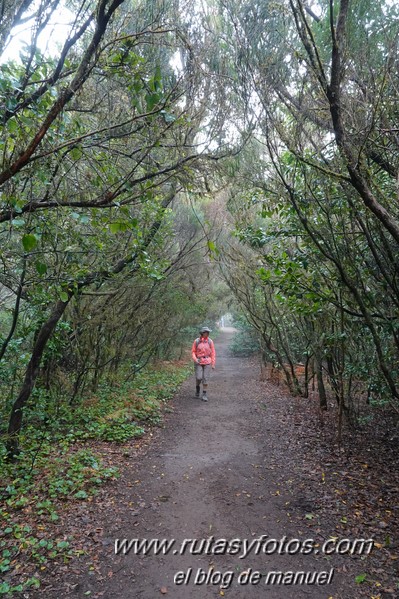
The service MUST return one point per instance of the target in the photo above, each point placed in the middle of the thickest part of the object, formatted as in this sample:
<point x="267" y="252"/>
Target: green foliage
<point x="57" y="467"/>
<point x="309" y="287"/>
<point x="97" y="151"/>
<point x="116" y="413"/>
<point x="319" y="263"/>
<point x="246" y="342"/>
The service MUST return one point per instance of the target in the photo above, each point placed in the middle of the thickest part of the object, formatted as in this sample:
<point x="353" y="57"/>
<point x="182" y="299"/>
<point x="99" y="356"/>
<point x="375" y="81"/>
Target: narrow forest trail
<point x="226" y="469"/>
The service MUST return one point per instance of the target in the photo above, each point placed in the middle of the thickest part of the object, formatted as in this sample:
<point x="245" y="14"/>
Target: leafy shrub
<point x="245" y="343"/>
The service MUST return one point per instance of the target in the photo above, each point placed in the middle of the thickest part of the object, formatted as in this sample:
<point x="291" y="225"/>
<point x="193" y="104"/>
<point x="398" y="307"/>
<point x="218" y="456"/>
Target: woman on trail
<point x="204" y="358"/>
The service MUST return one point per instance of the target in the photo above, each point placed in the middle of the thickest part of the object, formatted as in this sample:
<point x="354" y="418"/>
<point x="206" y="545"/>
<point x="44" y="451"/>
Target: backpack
<point x="198" y="340"/>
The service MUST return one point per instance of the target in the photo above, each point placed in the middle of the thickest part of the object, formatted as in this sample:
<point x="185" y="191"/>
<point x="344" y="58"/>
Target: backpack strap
<point x="198" y="340"/>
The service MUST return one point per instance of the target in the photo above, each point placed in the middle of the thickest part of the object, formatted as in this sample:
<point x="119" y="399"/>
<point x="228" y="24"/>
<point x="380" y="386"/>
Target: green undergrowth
<point x="245" y="342"/>
<point x="64" y="461"/>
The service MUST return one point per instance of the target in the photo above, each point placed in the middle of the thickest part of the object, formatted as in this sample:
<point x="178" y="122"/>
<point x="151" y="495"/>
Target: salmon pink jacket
<point x="203" y="351"/>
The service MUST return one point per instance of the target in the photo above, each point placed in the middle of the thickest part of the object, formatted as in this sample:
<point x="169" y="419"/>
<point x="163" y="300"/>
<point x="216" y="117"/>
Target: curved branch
<point x="82" y="73"/>
<point x="15" y="312"/>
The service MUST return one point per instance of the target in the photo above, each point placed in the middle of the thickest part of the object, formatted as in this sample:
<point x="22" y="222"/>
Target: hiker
<point x="204" y="358"/>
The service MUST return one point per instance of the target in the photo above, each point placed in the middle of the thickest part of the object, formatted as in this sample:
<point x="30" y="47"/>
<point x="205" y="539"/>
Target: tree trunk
<point x="320" y="384"/>
<point x="32" y="370"/>
<point x="306" y="383"/>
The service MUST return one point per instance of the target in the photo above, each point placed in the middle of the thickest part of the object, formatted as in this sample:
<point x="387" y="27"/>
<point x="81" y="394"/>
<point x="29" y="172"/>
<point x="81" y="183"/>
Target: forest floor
<point x="250" y="477"/>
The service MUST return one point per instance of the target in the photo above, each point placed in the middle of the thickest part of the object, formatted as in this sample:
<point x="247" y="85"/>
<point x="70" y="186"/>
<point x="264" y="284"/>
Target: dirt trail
<point x="213" y="472"/>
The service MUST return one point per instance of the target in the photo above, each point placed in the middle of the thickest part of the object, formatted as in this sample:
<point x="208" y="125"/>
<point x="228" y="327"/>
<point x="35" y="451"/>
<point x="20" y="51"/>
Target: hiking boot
<point x="197" y="394"/>
<point x="204" y="397"/>
<point x="197" y="391"/>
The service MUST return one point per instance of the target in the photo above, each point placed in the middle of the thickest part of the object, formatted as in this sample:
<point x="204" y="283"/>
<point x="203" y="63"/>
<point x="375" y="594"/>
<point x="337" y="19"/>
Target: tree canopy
<point x="153" y="122"/>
